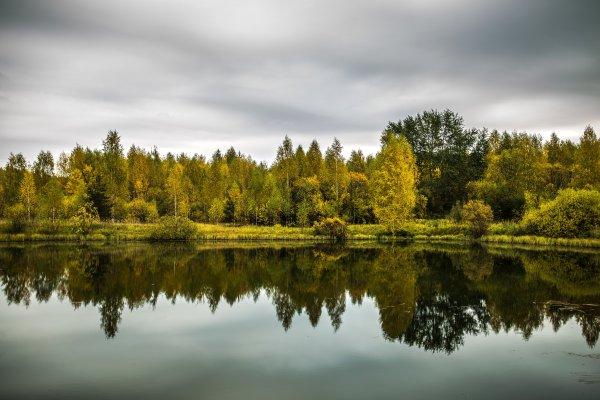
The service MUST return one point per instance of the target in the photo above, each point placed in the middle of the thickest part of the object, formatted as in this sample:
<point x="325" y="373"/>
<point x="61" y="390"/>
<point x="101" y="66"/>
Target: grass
<point x="435" y="230"/>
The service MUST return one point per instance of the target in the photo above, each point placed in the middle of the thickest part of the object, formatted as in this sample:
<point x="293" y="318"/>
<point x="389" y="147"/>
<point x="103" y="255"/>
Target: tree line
<point x="428" y="164"/>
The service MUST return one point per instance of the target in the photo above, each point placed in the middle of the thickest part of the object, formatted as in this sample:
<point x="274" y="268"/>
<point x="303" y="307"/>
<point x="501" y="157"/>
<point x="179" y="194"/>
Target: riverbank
<point x="440" y="230"/>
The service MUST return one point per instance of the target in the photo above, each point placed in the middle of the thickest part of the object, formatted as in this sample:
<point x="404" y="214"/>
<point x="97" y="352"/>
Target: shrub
<point x="573" y="213"/>
<point x="455" y="213"/>
<point x="174" y="228"/>
<point x="477" y="216"/>
<point x="83" y="221"/>
<point x="400" y="233"/>
<point x="49" y="226"/>
<point x="334" y="228"/>
<point x="139" y="210"/>
<point x="119" y="211"/>
<point x="17" y="217"/>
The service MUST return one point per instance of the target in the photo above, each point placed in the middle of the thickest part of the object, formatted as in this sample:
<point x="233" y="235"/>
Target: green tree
<point x="477" y="216"/>
<point x="176" y="191"/>
<point x="357" y="162"/>
<point x="52" y="198"/>
<point x="357" y="207"/>
<point x="28" y="193"/>
<point x="13" y="174"/>
<point x="394" y="183"/>
<point x="43" y="168"/>
<point x="115" y="170"/>
<point x="587" y="161"/>
<point x="285" y="163"/>
<point x="448" y="156"/>
<point x="314" y="160"/>
<point x="216" y="211"/>
<point x="515" y="174"/>
<point x="335" y="170"/>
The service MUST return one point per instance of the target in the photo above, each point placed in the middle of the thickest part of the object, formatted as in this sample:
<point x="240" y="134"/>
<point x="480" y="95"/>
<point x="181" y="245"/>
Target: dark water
<point x="151" y="321"/>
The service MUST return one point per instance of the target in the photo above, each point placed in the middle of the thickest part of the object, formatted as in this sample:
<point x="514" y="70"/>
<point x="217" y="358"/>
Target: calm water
<point x="151" y="321"/>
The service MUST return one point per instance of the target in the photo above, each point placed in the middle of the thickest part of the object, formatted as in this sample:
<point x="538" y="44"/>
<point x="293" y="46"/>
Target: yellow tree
<point x="176" y="189"/>
<point x="394" y="183"/>
<point x="27" y="192"/>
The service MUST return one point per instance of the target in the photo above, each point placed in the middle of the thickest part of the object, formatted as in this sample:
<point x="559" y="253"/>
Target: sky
<point x="194" y="76"/>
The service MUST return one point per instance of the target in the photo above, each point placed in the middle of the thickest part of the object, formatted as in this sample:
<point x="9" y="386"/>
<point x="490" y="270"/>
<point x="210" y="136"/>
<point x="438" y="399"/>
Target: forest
<point x="429" y="166"/>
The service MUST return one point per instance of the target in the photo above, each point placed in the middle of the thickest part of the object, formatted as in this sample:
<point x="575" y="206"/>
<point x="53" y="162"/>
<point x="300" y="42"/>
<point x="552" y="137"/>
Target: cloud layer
<point x="194" y="76"/>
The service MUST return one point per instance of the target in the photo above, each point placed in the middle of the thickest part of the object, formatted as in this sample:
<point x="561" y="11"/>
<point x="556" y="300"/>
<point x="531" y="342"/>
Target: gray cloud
<point x="193" y="76"/>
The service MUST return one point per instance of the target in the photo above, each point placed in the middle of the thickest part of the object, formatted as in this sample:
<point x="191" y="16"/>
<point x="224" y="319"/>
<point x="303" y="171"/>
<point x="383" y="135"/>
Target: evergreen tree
<point x="587" y="161"/>
<point x="314" y="160"/>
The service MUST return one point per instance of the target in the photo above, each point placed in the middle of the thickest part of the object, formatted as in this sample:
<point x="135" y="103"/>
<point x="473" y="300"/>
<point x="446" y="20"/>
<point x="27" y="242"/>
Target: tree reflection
<point x="427" y="297"/>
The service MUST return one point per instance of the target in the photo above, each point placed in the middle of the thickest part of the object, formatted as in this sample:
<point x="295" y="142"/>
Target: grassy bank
<point x="440" y="230"/>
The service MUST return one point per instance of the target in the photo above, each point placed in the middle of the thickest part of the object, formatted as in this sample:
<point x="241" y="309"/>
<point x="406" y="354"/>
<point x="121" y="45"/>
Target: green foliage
<point x="142" y="211"/>
<point x="174" y="228"/>
<point x="216" y="213"/>
<point x="455" y="213"/>
<point x="477" y="216"/>
<point x="516" y="171"/>
<point x="334" y="228"/>
<point x="83" y="221"/>
<point x="448" y="156"/>
<point x="573" y="213"/>
<point x="18" y="218"/>
<point x="300" y="187"/>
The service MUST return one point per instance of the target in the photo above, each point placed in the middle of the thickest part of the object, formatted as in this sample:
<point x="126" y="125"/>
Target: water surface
<point x="210" y="321"/>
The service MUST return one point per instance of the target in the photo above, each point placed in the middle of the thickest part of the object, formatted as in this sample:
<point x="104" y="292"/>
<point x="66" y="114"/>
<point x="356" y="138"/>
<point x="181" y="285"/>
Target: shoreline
<point x="126" y="232"/>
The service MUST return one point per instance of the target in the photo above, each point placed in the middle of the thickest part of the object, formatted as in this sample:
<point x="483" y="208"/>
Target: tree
<point x="394" y="183"/>
<point x="285" y="163"/>
<point x="175" y="189"/>
<point x="138" y="163"/>
<point x="13" y="174"/>
<point x="300" y="161"/>
<point x="308" y="201"/>
<point x="335" y="169"/>
<point x="515" y="174"/>
<point x="43" y="168"/>
<point x="52" y="197"/>
<point x="314" y="160"/>
<point x="587" y="161"/>
<point x="448" y="156"/>
<point x="115" y="172"/>
<point x="478" y="216"/>
<point x="357" y="207"/>
<point x="216" y="211"/>
<point x="357" y="162"/>
<point x="560" y="155"/>
<point x="28" y="193"/>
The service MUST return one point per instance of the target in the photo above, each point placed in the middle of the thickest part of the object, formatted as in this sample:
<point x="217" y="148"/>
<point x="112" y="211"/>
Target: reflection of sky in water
<point x="241" y="351"/>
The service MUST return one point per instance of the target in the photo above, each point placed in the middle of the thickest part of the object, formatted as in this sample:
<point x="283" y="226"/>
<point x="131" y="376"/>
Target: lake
<point x="291" y="321"/>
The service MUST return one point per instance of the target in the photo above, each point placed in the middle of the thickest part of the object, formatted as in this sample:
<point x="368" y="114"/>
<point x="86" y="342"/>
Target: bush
<point x="83" y="221"/>
<point x="49" y="226"/>
<point x="334" y="228"/>
<point x="119" y="211"/>
<point x="477" y="216"/>
<point x="17" y="217"/>
<point x="573" y="213"/>
<point x="174" y="228"/>
<point x="139" y="210"/>
<point x="400" y="233"/>
<point x="455" y="213"/>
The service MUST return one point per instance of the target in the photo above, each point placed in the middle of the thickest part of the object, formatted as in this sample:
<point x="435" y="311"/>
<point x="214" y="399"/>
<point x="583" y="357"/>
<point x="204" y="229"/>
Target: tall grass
<point x="440" y="230"/>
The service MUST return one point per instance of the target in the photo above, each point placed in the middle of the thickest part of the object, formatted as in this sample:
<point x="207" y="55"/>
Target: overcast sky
<point x="194" y="76"/>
